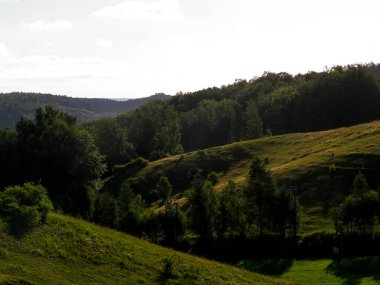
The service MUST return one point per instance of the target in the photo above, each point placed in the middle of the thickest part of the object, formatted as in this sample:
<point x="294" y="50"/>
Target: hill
<point x="15" y="105"/>
<point x="71" y="251"/>
<point x="320" y="165"/>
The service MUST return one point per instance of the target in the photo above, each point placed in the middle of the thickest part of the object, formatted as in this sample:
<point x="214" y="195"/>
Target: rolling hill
<point x="70" y="251"/>
<point x="320" y="165"/>
<point x="13" y="106"/>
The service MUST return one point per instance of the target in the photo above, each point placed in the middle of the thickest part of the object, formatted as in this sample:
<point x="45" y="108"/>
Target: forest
<point x="88" y="170"/>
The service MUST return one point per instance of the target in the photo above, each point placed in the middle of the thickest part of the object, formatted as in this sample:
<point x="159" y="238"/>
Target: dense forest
<point x="76" y="162"/>
<point x="13" y="106"/>
<point x="275" y="103"/>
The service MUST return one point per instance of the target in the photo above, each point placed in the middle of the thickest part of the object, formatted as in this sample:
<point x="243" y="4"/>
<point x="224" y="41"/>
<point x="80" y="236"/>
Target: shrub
<point x="213" y="177"/>
<point x="131" y="167"/>
<point x="25" y="206"/>
<point x="168" y="268"/>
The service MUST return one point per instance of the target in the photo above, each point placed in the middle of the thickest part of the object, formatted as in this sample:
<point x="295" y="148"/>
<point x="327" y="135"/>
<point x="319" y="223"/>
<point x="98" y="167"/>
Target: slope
<point x="320" y="165"/>
<point x="71" y="251"/>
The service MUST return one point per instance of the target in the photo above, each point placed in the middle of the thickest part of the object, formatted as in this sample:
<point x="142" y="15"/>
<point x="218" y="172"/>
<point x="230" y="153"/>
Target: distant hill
<point x="13" y="106"/>
<point x="71" y="251"/>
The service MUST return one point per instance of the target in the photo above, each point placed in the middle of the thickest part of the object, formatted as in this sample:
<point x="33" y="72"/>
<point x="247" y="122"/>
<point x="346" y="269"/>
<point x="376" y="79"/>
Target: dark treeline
<point x="275" y="103"/>
<point x="259" y="209"/>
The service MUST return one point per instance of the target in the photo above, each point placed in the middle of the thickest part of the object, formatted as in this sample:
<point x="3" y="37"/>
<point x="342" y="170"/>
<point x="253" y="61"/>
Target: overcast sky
<point x="129" y="49"/>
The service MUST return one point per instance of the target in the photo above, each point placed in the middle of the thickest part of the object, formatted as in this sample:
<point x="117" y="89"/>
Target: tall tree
<point x="204" y="208"/>
<point x="232" y="217"/>
<point x="253" y="122"/>
<point x="360" y="210"/>
<point x="53" y="150"/>
<point x="153" y="129"/>
<point x="259" y="193"/>
<point x="112" y="140"/>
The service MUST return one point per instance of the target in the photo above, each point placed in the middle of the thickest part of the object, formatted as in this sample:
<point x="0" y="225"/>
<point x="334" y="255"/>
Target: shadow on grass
<point x="354" y="269"/>
<point x="274" y="267"/>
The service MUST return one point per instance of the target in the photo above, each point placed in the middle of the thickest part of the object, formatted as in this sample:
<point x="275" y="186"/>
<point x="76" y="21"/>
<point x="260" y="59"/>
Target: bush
<point x="24" y="207"/>
<point x="131" y="167"/>
<point x="213" y="177"/>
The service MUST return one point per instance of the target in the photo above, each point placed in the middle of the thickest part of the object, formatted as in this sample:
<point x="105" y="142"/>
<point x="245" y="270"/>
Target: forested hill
<point x="15" y="105"/>
<point x="273" y="104"/>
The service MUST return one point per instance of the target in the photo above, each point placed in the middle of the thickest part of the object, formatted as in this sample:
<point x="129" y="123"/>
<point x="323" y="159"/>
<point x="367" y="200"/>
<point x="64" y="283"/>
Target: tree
<point x="112" y="140"/>
<point x="285" y="212"/>
<point x="211" y="123"/>
<point x="25" y="206"/>
<point x="359" y="210"/>
<point x="133" y="214"/>
<point x="204" y="208"/>
<point x="232" y="218"/>
<point x="153" y="129"/>
<point x="105" y="210"/>
<point x="53" y="150"/>
<point x="8" y="158"/>
<point x="173" y="224"/>
<point x="163" y="189"/>
<point x="253" y="122"/>
<point x="259" y="194"/>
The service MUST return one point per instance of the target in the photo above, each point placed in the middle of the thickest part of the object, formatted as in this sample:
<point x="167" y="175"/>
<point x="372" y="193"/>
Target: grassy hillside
<point x="71" y="251"/>
<point x="13" y="106"/>
<point x="303" y="160"/>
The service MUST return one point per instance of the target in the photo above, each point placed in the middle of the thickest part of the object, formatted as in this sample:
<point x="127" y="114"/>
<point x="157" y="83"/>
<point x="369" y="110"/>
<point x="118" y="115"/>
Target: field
<point x="71" y="251"/>
<point x="355" y="271"/>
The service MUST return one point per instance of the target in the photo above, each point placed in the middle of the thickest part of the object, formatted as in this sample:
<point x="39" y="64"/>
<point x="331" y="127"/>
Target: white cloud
<point x="104" y="43"/>
<point x="157" y="10"/>
<point x="4" y="52"/>
<point x="42" y="25"/>
<point x="6" y="1"/>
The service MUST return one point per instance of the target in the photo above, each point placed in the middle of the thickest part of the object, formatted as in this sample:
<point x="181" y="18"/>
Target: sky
<point x="136" y="48"/>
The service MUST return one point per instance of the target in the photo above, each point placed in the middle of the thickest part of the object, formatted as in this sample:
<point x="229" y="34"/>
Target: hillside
<point x="15" y="105"/>
<point x="71" y="251"/>
<point x="302" y="160"/>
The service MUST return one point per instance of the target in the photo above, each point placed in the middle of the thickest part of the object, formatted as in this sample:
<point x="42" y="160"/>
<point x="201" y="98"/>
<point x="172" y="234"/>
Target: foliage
<point x="232" y="219"/>
<point x="259" y="191"/>
<point x="204" y="208"/>
<point x="105" y="210"/>
<point x="360" y="210"/>
<point x="163" y="189"/>
<point x="54" y="150"/>
<point x="269" y="208"/>
<point x="8" y="157"/>
<point x="24" y="206"/>
<point x="213" y="178"/>
<point x="133" y="215"/>
<point x="253" y="121"/>
<point x="153" y="129"/>
<point x="211" y="123"/>
<point x="173" y="224"/>
<point x="112" y="140"/>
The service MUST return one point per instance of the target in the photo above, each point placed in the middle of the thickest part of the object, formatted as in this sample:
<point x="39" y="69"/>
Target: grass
<point x="354" y="271"/>
<point x="72" y="251"/>
<point x="301" y="159"/>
